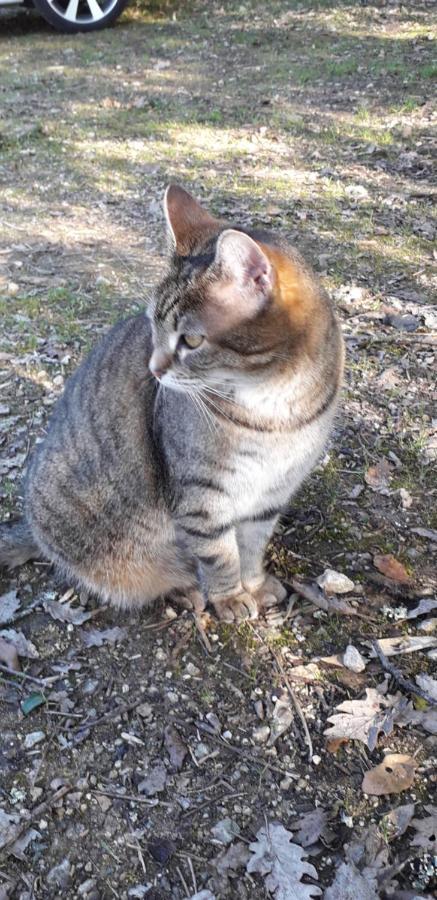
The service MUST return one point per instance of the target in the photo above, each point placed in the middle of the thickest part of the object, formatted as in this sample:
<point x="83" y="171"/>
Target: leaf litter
<point x="282" y="864"/>
<point x="136" y="673"/>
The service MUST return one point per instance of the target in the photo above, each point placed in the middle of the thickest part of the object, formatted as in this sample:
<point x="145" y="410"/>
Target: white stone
<point x="335" y="582"/>
<point x="353" y="660"/>
<point x="261" y="734"/>
<point x="316" y="759"/>
<point x="34" y="738"/>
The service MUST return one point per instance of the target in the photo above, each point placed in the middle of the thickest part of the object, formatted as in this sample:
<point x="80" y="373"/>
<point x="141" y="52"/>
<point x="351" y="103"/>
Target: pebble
<point x="86" y="887"/>
<point x="335" y="582"/>
<point x="261" y="734"/>
<point x="145" y="710"/>
<point x="192" y="670"/>
<point x="353" y="660"/>
<point x="35" y="737"/>
<point x="201" y="750"/>
<point x="214" y="721"/>
<point x="169" y="613"/>
<point x="259" y="709"/>
<point x="60" y="874"/>
<point x="316" y="759"/>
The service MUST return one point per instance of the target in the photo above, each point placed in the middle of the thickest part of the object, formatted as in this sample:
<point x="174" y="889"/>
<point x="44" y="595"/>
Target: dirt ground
<point x="141" y="756"/>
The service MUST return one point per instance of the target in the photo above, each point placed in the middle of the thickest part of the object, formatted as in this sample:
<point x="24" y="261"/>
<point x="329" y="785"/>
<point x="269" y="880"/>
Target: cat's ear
<point x="242" y="262"/>
<point x="243" y="282"/>
<point x="187" y="221"/>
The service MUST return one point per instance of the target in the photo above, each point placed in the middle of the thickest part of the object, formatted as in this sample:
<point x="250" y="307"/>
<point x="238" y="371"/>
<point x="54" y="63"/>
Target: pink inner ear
<point x="244" y="282"/>
<point x="241" y="259"/>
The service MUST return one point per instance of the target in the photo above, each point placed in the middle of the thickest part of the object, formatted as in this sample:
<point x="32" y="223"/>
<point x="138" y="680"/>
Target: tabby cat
<point x="184" y="433"/>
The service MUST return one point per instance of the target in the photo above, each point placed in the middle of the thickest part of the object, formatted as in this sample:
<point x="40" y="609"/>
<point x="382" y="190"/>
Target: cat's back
<point x="98" y="452"/>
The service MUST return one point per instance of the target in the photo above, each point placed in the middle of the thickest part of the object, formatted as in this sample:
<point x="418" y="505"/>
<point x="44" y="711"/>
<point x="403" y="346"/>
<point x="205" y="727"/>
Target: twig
<point x="261" y="763"/>
<point x="112" y="714"/>
<point x="397" y="675"/>
<point x="295" y="702"/>
<point x="334" y="605"/>
<point x="392" y="338"/>
<point x="130" y="798"/>
<point x="193" y="876"/>
<point x="37" y="812"/>
<point x="184" y="883"/>
<point x="41" y="682"/>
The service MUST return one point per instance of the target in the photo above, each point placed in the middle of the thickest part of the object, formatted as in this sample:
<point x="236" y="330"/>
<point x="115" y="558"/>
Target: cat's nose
<point x="159" y="363"/>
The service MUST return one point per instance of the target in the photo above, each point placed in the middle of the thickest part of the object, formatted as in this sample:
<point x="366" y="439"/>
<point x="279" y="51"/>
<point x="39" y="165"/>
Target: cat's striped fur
<point x="148" y="484"/>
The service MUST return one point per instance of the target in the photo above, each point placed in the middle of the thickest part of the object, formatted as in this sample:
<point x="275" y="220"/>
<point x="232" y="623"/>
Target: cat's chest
<point x="264" y="473"/>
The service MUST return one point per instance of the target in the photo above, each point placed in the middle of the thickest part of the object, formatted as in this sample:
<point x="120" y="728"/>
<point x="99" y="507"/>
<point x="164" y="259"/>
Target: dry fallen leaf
<point x="350" y="884"/>
<point x="395" y="774"/>
<point x="65" y="612"/>
<point x="281" y="719"/>
<point x="9" y="655"/>
<point x="235" y="857"/>
<point x="8" y="827"/>
<point x="9" y="604"/>
<point x="391" y="568"/>
<point x="428" y="684"/>
<point x="362" y="720"/>
<point x="22" y="645"/>
<point x="333" y="745"/>
<point x="282" y="864"/>
<point x="311" y="826"/>
<point x="426" y="830"/>
<point x="378" y="477"/>
<point x="96" y="637"/>
<point x="175" y="746"/>
<point x="397" y="821"/>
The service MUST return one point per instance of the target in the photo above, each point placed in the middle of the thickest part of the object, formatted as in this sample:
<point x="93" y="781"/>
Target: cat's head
<point x="218" y="319"/>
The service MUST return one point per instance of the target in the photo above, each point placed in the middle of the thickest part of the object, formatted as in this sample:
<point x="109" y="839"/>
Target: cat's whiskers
<point x="199" y="404"/>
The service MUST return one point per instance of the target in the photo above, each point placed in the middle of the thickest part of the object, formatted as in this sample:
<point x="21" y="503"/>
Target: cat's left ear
<point x="186" y="219"/>
<point x="245" y="275"/>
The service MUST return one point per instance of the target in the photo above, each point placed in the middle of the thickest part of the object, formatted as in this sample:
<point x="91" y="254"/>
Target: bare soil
<point x="315" y="119"/>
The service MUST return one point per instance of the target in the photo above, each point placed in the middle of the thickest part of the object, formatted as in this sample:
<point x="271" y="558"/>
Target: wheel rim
<point x="82" y="12"/>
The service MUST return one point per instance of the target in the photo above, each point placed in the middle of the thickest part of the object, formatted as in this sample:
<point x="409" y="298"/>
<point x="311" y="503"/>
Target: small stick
<point x="397" y="675"/>
<point x="184" y="883"/>
<point x="130" y="798"/>
<point x="296" y="703"/>
<point x="112" y="714"/>
<point x="331" y="605"/>
<point x="391" y="338"/>
<point x="261" y="763"/>
<point x="193" y="876"/>
<point x="41" y="682"/>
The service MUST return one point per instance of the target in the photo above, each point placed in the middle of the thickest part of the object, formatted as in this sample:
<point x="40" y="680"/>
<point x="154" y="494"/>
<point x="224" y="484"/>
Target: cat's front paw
<point x="236" y="608"/>
<point x="191" y="599"/>
<point x="270" y="593"/>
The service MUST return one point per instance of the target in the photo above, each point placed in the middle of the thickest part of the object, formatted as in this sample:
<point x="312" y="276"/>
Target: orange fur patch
<point x="294" y="291"/>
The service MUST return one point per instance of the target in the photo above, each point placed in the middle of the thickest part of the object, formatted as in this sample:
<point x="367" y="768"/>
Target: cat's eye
<point x="192" y="341"/>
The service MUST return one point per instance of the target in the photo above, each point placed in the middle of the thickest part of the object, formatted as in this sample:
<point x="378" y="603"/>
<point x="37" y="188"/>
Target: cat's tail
<point x="17" y="544"/>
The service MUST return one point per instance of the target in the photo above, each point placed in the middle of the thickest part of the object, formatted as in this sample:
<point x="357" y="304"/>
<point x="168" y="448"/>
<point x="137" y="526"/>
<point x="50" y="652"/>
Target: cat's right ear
<point x="187" y="221"/>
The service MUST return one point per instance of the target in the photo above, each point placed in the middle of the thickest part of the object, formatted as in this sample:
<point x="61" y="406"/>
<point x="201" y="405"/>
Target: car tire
<point x="72" y="16"/>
